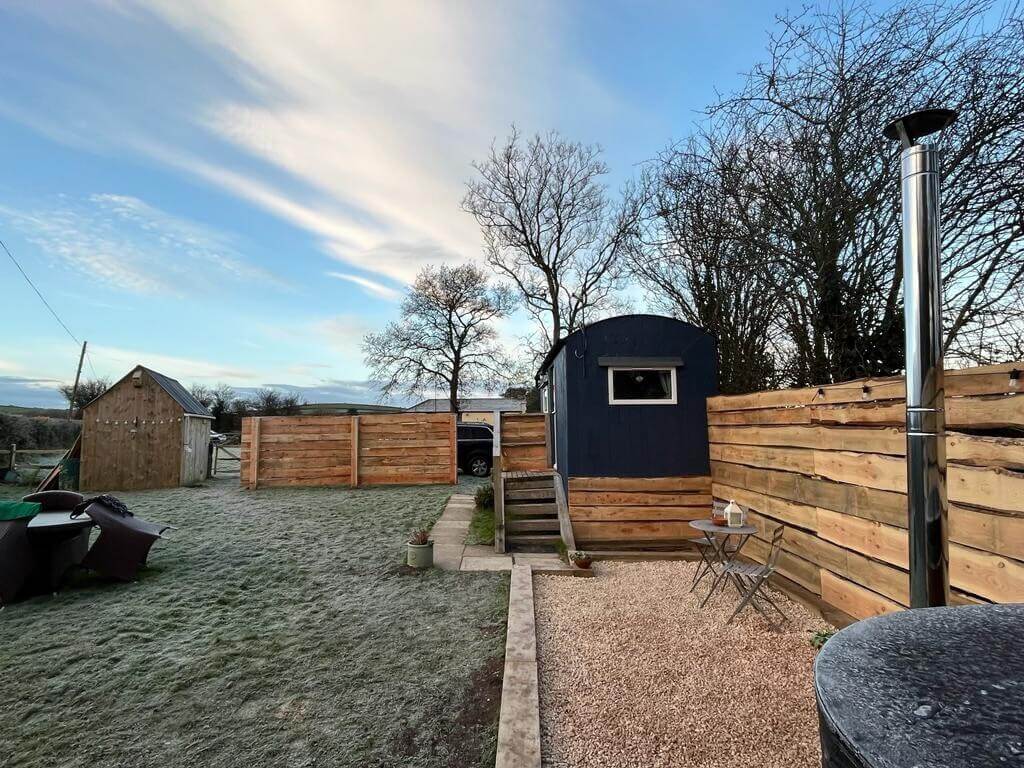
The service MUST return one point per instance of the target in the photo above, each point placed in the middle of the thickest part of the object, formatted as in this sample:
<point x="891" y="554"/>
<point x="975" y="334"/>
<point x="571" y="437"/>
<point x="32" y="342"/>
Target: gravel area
<point x="634" y="673"/>
<point x="275" y="627"/>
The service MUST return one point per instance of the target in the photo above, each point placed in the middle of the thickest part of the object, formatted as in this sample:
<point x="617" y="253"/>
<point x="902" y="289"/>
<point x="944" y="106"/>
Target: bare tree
<point x="811" y="116"/>
<point x="202" y="393"/>
<point x="550" y="228"/>
<point x="445" y="338"/>
<point x="813" y="187"/>
<point x="88" y="390"/>
<point x="699" y="266"/>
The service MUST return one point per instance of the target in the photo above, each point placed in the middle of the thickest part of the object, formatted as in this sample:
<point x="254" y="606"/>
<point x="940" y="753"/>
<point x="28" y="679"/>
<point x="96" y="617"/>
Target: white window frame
<point x="611" y="385"/>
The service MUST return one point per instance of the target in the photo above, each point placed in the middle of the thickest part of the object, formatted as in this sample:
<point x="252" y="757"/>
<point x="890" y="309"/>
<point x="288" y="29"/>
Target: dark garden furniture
<point x="720" y="551"/>
<point x="928" y="687"/>
<point x="59" y="542"/>
<point x="753" y="580"/>
<point x="708" y="565"/>
<point x="15" y="550"/>
<point x="124" y="541"/>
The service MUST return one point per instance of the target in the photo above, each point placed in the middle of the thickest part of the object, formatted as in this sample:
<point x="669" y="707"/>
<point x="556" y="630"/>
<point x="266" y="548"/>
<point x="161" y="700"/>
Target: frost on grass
<point x="275" y="627"/>
<point x="634" y="673"/>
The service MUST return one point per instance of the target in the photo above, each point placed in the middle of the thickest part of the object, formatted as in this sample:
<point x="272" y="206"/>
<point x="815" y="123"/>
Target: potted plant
<point x="581" y="560"/>
<point x="421" y="550"/>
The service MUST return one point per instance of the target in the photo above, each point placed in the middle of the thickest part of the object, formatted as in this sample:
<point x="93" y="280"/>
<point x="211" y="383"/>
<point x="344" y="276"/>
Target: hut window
<point x="642" y="386"/>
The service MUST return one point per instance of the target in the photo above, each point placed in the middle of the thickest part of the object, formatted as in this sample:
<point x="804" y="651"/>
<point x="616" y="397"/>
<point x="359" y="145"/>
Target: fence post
<point x="498" y="484"/>
<point x="354" y="461"/>
<point x="14" y="453"/>
<point x="455" y="449"/>
<point x="213" y="461"/>
<point x="254" y="453"/>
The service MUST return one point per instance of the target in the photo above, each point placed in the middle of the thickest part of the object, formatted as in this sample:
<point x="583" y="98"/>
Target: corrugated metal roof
<point x="181" y="395"/>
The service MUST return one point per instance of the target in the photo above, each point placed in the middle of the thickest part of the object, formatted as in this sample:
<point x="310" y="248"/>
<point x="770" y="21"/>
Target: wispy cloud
<point x="122" y="241"/>
<point x="120" y="360"/>
<point x="354" y="121"/>
<point x="371" y="287"/>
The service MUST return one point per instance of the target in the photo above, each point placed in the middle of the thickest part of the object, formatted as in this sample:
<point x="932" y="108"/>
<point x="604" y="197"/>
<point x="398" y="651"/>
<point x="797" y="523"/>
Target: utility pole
<point x="74" y="389"/>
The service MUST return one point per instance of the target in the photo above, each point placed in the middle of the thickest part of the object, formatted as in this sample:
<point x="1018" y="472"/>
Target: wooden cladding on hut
<point x="829" y="462"/>
<point x="146" y="431"/>
<point x="524" y="444"/>
<point x="385" y="449"/>
<point x="636" y="512"/>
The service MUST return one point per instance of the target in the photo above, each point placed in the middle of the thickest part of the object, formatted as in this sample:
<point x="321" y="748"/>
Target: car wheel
<point x="479" y="466"/>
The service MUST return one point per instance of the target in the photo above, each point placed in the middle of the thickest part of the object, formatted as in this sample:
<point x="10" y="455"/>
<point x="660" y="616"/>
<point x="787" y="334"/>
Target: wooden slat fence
<point x="829" y="462"/>
<point x="524" y="444"/>
<point x="636" y="512"/>
<point x="389" y="449"/>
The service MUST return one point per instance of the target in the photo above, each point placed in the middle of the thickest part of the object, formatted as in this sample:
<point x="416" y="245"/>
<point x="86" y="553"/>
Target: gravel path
<point x="634" y="673"/>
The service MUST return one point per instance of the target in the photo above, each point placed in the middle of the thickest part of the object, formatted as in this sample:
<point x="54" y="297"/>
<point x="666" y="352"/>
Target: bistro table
<point x="720" y="551"/>
<point x="59" y="542"/>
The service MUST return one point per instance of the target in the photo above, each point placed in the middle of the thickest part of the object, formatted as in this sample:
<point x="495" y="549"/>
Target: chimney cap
<point x="908" y="128"/>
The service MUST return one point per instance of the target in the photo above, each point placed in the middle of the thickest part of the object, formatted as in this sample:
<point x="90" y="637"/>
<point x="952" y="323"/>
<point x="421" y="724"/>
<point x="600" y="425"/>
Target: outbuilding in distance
<point x="146" y="431"/>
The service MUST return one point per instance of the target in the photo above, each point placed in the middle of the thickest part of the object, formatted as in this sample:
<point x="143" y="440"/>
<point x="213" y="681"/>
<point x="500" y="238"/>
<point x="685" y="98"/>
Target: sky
<point x="237" y="191"/>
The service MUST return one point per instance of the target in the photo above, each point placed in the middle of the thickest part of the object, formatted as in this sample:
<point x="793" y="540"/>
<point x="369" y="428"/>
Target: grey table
<point x="718" y="537"/>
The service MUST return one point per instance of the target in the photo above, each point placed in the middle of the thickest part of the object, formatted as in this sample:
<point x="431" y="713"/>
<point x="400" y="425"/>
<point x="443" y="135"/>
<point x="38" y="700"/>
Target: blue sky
<point x="236" y="191"/>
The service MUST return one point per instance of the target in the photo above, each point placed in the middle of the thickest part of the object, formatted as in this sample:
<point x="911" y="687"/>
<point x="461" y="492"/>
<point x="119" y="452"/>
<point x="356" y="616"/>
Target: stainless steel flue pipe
<point x="922" y="297"/>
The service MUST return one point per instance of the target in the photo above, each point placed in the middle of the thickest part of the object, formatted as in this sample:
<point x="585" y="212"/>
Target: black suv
<point x="475" y="447"/>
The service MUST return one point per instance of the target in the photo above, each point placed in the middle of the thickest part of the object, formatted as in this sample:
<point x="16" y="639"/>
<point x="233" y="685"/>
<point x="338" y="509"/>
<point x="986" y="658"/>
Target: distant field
<point x="21" y="410"/>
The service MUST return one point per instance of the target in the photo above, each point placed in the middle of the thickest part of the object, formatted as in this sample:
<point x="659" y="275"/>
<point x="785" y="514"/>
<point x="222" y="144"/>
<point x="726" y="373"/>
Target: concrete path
<point x="449" y="533"/>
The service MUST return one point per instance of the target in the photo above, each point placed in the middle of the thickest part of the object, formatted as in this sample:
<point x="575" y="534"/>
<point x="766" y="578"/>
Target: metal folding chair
<point x="753" y="578"/>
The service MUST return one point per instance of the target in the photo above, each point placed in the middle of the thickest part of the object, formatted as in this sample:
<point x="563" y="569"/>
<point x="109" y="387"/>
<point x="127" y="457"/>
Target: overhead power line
<point x="40" y="295"/>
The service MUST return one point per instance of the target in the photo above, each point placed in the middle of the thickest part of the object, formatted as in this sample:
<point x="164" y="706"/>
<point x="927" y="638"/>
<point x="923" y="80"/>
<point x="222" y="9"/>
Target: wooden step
<point x="541" y="482"/>
<point x="542" y="509"/>
<point x="535" y="494"/>
<point x="532" y="526"/>
<point x="543" y="539"/>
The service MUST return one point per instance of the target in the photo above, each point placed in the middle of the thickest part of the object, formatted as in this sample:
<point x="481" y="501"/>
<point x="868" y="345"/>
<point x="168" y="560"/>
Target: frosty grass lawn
<point x="276" y="627"/>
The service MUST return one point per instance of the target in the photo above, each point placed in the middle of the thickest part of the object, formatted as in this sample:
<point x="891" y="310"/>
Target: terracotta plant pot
<point x="421" y="555"/>
<point x="582" y="562"/>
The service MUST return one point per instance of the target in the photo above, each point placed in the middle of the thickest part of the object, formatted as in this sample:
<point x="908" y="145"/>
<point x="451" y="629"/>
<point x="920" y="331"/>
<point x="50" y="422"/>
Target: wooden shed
<point x="146" y="431"/>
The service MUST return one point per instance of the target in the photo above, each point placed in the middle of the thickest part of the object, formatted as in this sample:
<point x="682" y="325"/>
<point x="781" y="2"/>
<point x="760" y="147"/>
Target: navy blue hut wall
<point x="593" y="438"/>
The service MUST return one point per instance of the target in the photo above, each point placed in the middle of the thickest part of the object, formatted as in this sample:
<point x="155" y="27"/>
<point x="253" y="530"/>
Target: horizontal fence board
<point x="793" y="567"/>
<point x="981" y="412"/>
<point x="319" y="450"/>
<point x="697" y="483"/>
<point x="620" y="498"/>
<point x="864" y="502"/>
<point x="788" y="512"/>
<point x="830" y="464"/>
<point x="990" y="487"/>
<point x="851" y="598"/>
<point x="612" y="513"/>
<point x="306" y="462"/>
<point x="631" y="531"/>
<point x="961" y="448"/>
<point x="639" y="512"/>
<point x="524" y="442"/>
<point x="983" y="380"/>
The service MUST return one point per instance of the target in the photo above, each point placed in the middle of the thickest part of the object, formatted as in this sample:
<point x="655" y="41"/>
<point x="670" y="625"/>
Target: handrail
<point x="564" y="521"/>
